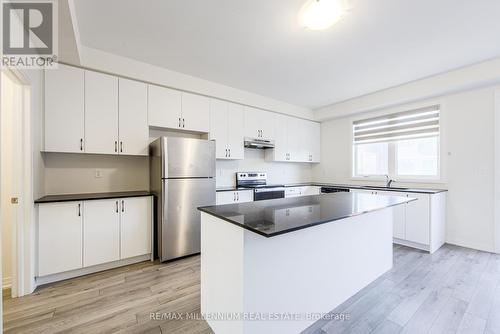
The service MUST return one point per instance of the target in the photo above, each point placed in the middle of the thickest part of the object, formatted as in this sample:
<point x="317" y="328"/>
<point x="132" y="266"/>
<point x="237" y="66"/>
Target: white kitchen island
<point x="278" y="266"/>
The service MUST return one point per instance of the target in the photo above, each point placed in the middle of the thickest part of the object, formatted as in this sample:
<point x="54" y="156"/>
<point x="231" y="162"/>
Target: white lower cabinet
<point x="59" y="237"/>
<point x="302" y="191"/>
<point x="231" y="197"/>
<point x="418" y="219"/>
<point x="101" y="232"/>
<point x="135" y="226"/>
<point x="82" y="234"/>
<point x="420" y="223"/>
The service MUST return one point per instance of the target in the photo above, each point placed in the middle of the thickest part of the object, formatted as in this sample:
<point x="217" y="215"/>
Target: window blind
<point x="417" y="123"/>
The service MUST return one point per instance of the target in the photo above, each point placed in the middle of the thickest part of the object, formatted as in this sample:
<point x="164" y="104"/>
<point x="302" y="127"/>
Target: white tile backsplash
<point x="278" y="172"/>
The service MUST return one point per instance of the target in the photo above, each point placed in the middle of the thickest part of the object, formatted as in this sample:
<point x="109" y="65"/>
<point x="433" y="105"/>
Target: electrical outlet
<point x="98" y="173"/>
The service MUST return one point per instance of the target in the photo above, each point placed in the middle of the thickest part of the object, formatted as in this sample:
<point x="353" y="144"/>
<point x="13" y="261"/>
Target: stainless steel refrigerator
<point x="182" y="176"/>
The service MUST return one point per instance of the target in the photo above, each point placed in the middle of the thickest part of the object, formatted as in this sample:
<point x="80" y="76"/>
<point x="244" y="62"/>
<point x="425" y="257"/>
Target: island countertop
<point x="278" y="216"/>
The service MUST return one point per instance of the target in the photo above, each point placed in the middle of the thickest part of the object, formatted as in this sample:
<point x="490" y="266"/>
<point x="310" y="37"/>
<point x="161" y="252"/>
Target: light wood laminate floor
<point x="455" y="290"/>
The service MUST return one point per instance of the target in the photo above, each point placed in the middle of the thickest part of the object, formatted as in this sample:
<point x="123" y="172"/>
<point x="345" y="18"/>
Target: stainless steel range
<point x="258" y="182"/>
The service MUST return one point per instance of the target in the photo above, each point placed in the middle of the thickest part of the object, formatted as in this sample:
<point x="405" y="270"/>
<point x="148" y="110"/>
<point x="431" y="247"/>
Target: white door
<point x="311" y="190"/>
<point x="218" y="128"/>
<point x="133" y="121"/>
<point x="418" y="219"/>
<point x="315" y="142"/>
<point x="164" y="107"/>
<point x="235" y="129"/>
<point x="292" y="192"/>
<point x="295" y="140"/>
<point x="64" y="111"/>
<point x="266" y="124"/>
<point x="398" y="216"/>
<point x="280" y="151"/>
<point x="252" y="123"/>
<point x="195" y="112"/>
<point x="243" y="196"/>
<point x="101" y="113"/>
<point x="259" y="123"/>
<point x="135" y="226"/>
<point x="59" y="237"/>
<point x="101" y="232"/>
<point x="225" y="197"/>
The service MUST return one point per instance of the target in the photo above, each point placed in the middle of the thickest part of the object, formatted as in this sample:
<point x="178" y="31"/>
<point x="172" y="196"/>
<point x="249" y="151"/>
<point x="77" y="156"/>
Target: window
<point x="372" y="159"/>
<point x="401" y="145"/>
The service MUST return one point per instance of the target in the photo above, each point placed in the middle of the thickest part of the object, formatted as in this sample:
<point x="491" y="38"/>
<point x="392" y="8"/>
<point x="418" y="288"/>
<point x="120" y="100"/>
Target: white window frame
<point x="392" y="168"/>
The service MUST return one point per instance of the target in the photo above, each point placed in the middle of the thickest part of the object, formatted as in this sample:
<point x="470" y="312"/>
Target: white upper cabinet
<point x="218" y="128"/>
<point x="311" y="143"/>
<point x="133" y="120"/>
<point x="296" y="140"/>
<point x="226" y="128"/>
<point x="315" y="142"/>
<point x="195" y="112"/>
<point x="235" y="129"/>
<point x="280" y="151"/>
<point x="64" y="109"/>
<point x="101" y="113"/>
<point x="164" y="107"/>
<point x="169" y="108"/>
<point x="259" y="124"/>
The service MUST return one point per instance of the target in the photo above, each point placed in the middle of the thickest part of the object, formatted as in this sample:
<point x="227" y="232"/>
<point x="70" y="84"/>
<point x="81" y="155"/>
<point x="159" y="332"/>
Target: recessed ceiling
<point x="258" y="45"/>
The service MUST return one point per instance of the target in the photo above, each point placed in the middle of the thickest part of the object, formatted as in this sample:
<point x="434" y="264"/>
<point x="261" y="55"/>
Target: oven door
<point x="268" y="193"/>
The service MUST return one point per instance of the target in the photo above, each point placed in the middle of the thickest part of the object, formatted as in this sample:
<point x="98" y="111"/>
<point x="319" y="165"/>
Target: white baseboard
<point x="6" y="282"/>
<point x="90" y="270"/>
<point x="411" y="244"/>
<point x="468" y="244"/>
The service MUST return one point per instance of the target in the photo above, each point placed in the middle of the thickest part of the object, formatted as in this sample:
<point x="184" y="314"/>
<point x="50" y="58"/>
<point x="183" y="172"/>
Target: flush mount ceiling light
<point x="321" y="14"/>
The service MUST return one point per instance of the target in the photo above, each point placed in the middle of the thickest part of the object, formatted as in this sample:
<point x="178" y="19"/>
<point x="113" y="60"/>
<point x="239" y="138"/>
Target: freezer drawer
<point x="180" y="222"/>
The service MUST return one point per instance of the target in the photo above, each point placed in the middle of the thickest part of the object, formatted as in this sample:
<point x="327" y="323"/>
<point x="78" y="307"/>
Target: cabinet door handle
<point x="116" y="146"/>
<point x="238" y="197"/>
<point x="81" y="144"/>
<point x="183" y="123"/>
<point x="234" y="197"/>
<point x="230" y="153"/>
<point x="121" y="146"/>
<point x="179" y="122"/>
<point x="116" y="206"/>
<point x="123" y="206"/>
<point x="226" y="152"/>
<point x="79" y="209"/>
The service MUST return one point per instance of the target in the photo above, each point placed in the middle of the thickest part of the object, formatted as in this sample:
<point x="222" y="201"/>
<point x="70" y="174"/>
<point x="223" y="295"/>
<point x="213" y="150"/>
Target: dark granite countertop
<point x="91" y="196"/>
<point x="232" y="189"/>
<point x="351" y="186"/>
<point x="381" y="188"/>
<point x="278" y="216"/>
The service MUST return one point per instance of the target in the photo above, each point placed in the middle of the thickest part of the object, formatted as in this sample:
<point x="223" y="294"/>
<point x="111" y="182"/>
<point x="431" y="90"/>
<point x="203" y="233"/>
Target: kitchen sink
<point x="384" y="188"/>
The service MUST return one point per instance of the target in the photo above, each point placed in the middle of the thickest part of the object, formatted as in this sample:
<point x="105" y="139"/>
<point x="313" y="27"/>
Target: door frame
<point x="496" y="171"/>
<point x="23" y="264"/>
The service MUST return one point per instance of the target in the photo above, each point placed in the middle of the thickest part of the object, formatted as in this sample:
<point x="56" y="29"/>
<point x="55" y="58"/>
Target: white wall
<point x="278" y="172"/>
<point x="75" y="173"/>
<point x="467" y="159"/>
<point x="118" y="65"/>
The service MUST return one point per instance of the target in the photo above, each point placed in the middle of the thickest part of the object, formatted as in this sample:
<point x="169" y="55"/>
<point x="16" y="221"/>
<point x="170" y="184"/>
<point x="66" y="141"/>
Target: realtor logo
<point x="29" y="34"/>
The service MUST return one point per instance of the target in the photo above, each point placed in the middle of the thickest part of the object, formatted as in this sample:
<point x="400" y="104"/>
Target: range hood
<point x="258" y="143"/>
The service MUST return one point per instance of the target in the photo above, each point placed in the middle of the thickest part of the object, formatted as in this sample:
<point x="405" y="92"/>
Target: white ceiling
<point x="258" y="45"/>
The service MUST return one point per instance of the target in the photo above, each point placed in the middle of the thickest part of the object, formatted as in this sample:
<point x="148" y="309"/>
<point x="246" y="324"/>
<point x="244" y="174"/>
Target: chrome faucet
<point x="388" y="181"/>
